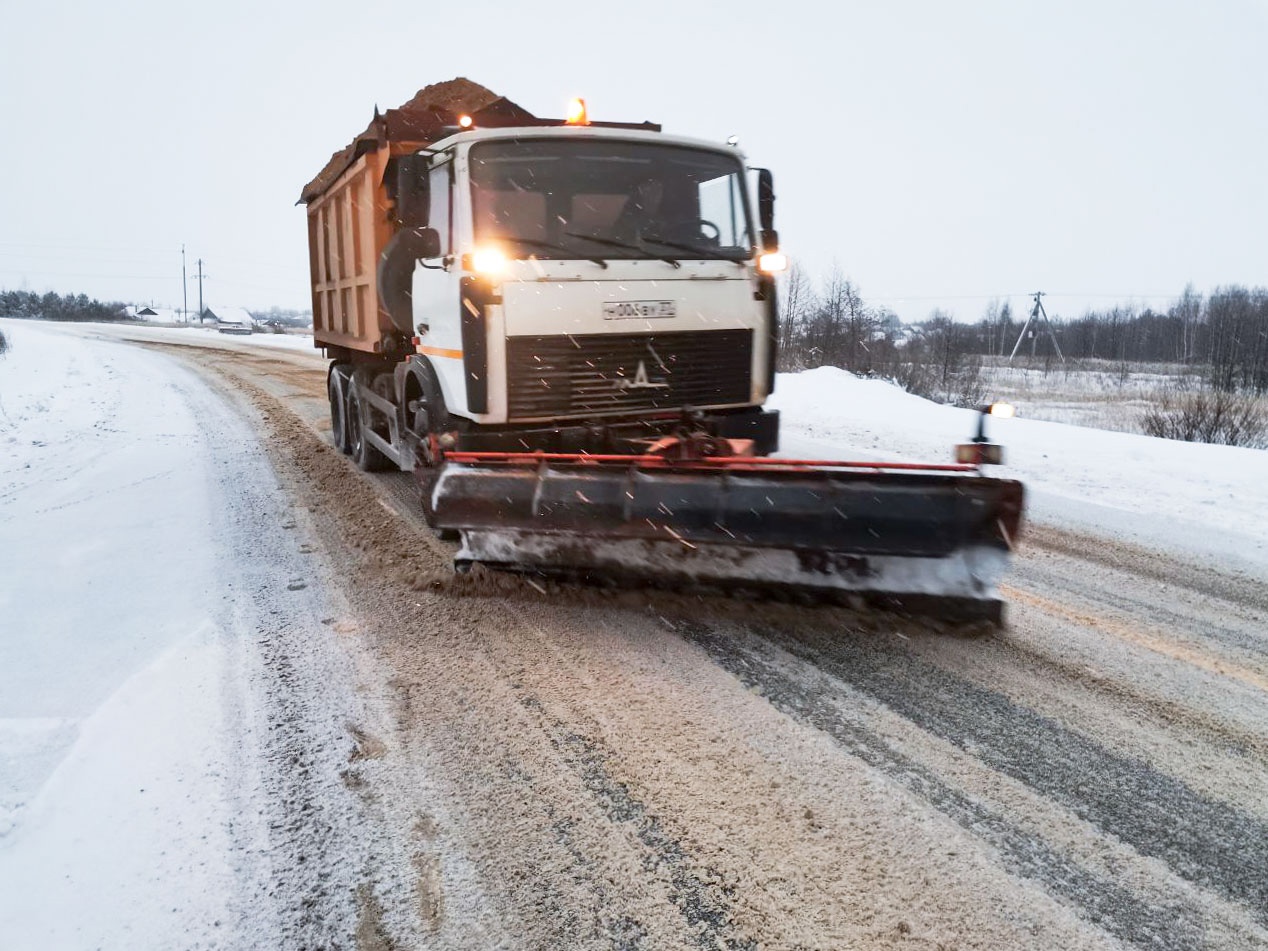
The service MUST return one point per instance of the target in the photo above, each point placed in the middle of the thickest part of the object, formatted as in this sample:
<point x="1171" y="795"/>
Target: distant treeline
<point x="833" y="326"/>
<point x="1223" y="335"/>
<point x="52" y="306"/>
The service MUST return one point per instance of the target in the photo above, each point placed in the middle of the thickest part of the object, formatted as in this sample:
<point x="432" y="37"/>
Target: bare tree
<point x="797" y="302"/>
<point x="1188" y="310"/>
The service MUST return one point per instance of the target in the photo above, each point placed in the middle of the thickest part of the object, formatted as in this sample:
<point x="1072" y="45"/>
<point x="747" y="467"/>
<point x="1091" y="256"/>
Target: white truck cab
<point x="572" y="272"/>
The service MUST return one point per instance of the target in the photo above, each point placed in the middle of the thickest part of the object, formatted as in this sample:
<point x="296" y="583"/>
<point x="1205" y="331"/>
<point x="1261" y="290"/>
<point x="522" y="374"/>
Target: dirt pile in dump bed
<point x="455" y="95"/>
<point x="421" y="120"/>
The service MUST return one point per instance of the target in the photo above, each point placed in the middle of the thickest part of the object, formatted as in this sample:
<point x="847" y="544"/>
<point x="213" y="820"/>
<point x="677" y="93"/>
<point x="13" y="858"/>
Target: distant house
<point x="230" y="320"/>
<point x="156" y="314"/>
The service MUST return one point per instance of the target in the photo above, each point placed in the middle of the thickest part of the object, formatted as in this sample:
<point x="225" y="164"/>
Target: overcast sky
<point x="940" y="153"/>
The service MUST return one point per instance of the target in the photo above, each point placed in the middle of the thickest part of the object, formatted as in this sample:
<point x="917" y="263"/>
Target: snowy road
<point x="393" y="756"/>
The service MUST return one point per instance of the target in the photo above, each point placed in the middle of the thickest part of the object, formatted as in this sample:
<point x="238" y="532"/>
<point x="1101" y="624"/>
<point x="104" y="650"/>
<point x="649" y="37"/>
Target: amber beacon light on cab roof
<point x="566" y="329"/>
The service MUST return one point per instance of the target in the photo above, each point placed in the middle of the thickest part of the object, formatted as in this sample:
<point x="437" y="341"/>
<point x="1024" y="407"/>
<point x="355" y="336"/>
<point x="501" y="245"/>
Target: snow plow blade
<point x="928" y="542"/>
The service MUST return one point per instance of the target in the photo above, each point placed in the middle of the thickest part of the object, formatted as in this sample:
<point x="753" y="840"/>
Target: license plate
<point x="639" y="309"/>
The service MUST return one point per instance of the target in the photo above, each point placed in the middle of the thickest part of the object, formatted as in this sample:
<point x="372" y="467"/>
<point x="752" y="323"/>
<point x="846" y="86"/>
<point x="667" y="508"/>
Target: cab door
<point x="435" y="290"/>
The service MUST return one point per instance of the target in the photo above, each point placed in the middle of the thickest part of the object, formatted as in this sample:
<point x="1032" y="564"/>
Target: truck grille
<point x="615" y="373"/>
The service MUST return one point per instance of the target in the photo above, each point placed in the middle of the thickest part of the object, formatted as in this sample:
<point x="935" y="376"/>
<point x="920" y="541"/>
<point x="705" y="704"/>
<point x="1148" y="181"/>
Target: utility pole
<point x="200" y="290"/>
<point x="1037" y="313"/>
<point x="184" y="290"/>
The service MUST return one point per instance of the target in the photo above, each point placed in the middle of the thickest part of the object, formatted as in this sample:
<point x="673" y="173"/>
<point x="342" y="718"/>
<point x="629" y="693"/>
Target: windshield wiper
<point x="614" y="243"/>
<point x="711" y="254"/>
<point x="534" y="243"/>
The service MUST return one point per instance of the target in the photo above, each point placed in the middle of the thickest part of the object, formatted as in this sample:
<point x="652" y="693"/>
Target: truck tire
<point x="424" y="412"/>
<point x="337" y="390"/>
<point x="367" y="458"/>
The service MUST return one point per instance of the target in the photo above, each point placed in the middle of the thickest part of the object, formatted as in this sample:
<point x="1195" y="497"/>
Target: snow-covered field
<point x="1099" y="394"/>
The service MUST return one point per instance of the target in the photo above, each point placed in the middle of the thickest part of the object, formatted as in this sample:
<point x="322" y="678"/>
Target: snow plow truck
<point x="567" y="330"/>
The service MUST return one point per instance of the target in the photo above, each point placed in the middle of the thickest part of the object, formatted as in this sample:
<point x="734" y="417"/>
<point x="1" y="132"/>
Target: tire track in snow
<point x="1166" y="569"/>
<point x="1204" y="841"/>
<point x="1135" y="634"/>
<point x="702" y="908"/>
<point x="1175" y="927"/>
<point x="1216" y="609"/>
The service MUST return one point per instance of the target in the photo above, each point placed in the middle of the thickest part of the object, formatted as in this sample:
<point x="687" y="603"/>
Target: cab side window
<point x="438" y="214"/>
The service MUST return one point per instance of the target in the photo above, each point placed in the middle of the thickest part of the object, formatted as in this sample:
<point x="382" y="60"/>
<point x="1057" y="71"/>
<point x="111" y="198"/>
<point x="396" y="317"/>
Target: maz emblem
<point x="640" y="381"/>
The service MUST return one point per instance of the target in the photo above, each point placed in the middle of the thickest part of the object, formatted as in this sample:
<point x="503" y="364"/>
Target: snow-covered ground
<point x="135" y="570"/>
<point x="131" y="601"/>
<point x="302" y="342"/>
<point x="1201" y="500"/>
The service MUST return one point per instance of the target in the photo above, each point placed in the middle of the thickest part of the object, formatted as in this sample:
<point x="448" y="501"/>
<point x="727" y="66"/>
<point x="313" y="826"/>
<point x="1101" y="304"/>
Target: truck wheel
<point x="337" y="390"/>
<point x="367" y="458"/>
<point x="424" y="414"/>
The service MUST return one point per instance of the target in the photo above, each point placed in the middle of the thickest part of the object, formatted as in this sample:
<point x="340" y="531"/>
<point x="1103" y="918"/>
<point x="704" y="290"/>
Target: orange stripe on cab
<point x="441" y="352"/>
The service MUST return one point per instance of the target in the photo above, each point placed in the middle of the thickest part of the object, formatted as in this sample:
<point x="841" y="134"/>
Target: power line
<point x="84" y="247"/>
<point x="301" y="286"/>
<point x="23" y="272"/>
<point x="129" y="253"/>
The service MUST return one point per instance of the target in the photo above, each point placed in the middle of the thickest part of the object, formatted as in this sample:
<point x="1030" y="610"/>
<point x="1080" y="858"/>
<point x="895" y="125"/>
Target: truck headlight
<point x="488" y="261"/>
<point x="772" y="262"/>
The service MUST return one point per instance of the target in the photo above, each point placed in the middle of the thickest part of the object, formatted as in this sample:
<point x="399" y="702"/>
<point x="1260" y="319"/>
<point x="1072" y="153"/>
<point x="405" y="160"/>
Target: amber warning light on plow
<point x="981" y="451"/>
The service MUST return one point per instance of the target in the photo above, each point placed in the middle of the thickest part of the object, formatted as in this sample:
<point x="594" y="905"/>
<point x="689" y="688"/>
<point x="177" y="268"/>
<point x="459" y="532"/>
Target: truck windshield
<point x="570" y="199"/>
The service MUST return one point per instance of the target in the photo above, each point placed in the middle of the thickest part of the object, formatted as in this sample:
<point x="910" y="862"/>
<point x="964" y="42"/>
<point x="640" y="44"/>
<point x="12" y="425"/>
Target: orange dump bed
<point x="350" y="211"/>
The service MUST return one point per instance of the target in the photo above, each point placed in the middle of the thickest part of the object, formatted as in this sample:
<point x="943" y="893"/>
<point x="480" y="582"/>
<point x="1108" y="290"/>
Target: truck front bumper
<point x="627" y="436"/>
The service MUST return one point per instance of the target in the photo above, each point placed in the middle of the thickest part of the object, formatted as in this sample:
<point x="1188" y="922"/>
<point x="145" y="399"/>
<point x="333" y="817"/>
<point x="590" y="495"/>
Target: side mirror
<point x="766" y="210"/>
<point x="421" y="243"/>
<point x="412" y="200"/>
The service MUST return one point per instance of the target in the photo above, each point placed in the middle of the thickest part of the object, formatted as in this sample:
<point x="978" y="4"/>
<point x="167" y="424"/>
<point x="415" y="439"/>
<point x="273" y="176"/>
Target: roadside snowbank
<point x="302" y="342"/>
<point x="110" y="737"/>
<point x="127" y="842"/>
<point x="192" y="334"/>
<point x="1206" y="501"/>
<point x="174" y="708"/>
